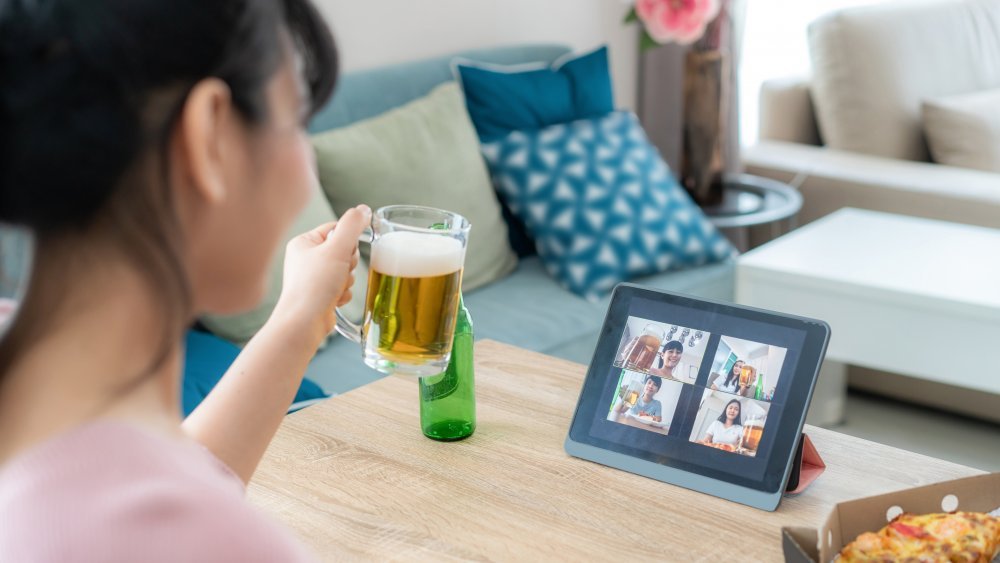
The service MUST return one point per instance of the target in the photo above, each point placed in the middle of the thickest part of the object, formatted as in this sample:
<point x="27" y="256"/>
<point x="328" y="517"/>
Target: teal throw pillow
<point x="206" y="359"/>
<point x="601" y="203"/>
<point x="529" y="97"/>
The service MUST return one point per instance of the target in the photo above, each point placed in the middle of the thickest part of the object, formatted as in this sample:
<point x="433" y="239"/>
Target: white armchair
<point x="852" y="134"/>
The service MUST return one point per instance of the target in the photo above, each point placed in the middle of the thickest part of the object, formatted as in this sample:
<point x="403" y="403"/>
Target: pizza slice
<point x="972" y="537"/>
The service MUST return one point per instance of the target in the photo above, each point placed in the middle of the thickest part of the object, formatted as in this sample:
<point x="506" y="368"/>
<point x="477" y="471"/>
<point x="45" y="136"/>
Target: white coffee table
<point x="905" y="295"/>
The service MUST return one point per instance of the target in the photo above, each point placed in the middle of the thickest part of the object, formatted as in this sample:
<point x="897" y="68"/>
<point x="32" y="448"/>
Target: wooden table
<point x="354" y="478"/>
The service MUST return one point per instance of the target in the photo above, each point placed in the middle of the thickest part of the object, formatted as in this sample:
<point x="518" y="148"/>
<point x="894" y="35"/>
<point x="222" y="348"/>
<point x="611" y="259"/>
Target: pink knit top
<point x="108" y="491"/>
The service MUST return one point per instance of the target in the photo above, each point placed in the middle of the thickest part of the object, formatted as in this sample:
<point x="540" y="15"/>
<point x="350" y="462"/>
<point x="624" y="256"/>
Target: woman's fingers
<point x="344" y="238"/>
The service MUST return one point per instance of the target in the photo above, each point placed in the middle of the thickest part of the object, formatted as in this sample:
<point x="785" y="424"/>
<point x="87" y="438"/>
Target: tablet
<point x="707" y="395"/>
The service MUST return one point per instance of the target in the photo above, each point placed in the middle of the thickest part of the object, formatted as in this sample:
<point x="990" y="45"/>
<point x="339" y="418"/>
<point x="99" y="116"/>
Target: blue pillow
<point x="601" y="203"/>
<point x="206" y="359"/>
<point x="529" y="97"/>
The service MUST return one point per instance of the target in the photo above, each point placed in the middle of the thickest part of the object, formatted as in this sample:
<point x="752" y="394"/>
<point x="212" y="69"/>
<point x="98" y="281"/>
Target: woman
<point x="731" y="384"/>
<point x="728" y="428"/>
<point x="671" y="357"/>
<point x="156" y="150"/>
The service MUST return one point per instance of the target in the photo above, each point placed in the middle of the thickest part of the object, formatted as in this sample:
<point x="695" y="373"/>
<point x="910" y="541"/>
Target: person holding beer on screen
<point x="671" y="357"/>
<point x="646" y="405"/>
<point x="728" y="428"/>
<point x="731" y="384"/>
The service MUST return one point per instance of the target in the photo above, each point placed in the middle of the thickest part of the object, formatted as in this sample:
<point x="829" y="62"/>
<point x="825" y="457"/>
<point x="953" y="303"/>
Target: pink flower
<point x="680" y="21"/>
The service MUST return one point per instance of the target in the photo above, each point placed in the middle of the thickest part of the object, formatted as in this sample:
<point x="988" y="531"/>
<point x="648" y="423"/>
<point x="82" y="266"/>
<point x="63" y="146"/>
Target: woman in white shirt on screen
<point x="728" y="428"/>
<point x="731" y="382"/>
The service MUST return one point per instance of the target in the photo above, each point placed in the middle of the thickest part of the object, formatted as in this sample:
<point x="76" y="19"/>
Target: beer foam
<point x="416" y="255"/>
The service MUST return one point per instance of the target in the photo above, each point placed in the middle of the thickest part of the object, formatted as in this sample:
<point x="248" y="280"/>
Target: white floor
<point x="967" y="441"/>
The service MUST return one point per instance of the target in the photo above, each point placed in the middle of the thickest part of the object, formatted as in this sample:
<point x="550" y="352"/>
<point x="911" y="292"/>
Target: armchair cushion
<point x="872" y="67"/>
<point x="964" y="130"/>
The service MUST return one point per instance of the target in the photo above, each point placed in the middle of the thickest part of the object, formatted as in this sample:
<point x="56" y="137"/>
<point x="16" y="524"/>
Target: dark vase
<point x="710" y="131"/>
<point x="688" y="103"/>
<point x="704" y="128"/>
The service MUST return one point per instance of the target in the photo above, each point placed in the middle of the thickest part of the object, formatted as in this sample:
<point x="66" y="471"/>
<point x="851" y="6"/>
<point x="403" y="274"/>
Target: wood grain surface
<point x="354" y="478"/>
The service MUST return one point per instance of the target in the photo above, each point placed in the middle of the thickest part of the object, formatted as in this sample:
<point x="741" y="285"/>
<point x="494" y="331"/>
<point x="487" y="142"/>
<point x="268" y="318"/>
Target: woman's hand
<point x="318" y="274"/>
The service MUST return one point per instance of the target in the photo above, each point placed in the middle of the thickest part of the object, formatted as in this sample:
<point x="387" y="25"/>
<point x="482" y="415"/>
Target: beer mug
<point x="630" y="392"/>
<point x="753" y="429"/>
<point x="414" y="281"/>
<point x="643" y="352"/>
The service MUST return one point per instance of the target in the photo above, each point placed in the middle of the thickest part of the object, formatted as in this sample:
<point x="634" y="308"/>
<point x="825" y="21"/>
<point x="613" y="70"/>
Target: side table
<point x="749" y="201"/>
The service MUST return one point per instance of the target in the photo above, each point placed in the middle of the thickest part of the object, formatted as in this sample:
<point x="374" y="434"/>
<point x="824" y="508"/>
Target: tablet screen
<point x="702" y="387"/>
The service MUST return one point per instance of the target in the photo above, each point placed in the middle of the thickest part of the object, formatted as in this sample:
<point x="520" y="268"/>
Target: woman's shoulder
<point x="120" y="493"/>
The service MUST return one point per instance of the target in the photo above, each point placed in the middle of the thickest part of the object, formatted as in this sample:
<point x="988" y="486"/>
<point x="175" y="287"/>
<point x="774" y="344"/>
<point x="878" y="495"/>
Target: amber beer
<point x="752" y="432"/>
<point x="412" y="300"/>
<point x="641" y="356"/>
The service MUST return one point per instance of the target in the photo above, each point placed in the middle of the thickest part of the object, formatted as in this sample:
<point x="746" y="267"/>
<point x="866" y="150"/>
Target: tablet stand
<point x="806" y="467"/>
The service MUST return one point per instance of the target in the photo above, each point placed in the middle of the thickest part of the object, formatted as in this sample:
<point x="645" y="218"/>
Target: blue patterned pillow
<point x="601" y="203"/>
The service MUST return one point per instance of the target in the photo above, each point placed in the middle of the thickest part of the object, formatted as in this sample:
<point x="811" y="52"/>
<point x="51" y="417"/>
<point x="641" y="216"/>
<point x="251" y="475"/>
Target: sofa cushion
<point x="872" y="66"/>
<point x="529" y="97"/>
<point x="206" y="360"/>
<point x="425" y="153"/>
<point x="600" y="203"/>
<point x="240" y="328"/>
<point x="964" y="130"/>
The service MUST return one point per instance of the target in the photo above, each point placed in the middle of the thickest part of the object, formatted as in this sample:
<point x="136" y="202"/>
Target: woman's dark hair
<point x="739" y="415"/>
<point x="657" y="380"/>
<point x="90" y="94"/>
<point x="673" y="345"/>
<point x="730" y="376"/>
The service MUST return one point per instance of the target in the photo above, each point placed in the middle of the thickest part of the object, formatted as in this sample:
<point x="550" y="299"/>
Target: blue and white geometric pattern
<point x="600" y="203"/>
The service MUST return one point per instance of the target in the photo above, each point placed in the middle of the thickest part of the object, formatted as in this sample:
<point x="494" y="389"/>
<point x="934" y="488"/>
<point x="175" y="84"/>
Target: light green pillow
<point x="424" y="153"/>
<point x="240" y="328"/>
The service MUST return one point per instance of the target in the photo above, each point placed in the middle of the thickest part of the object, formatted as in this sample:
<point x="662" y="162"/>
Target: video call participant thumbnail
<point x="728" y="428"/>
<point x="645" y="405"/>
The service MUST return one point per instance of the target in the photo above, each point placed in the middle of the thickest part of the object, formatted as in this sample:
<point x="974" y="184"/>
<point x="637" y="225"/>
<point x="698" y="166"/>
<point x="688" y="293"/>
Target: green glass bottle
<point x="758" y="392"/>
<point x="448" y="400"/>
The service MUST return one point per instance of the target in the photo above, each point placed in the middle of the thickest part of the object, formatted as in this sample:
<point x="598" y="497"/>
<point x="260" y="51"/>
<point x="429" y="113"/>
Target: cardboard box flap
<point x="831" y="532"/>
<point x="799" y="544"/>
<point x="849" y="519"/>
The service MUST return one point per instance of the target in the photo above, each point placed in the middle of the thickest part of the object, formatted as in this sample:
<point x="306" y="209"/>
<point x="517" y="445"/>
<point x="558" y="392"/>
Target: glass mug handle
<point x="346" y="327"/>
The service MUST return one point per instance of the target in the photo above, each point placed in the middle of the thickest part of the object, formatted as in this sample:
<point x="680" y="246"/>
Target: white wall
<point x="372" y="33"/>
<point x="775" y="361"/>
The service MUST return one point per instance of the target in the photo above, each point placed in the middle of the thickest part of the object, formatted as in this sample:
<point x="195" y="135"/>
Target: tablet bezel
<point x="580" y="443"/>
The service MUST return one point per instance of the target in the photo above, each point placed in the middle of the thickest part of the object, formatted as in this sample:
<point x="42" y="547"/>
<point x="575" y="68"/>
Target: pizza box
<point x="849" y="519"/>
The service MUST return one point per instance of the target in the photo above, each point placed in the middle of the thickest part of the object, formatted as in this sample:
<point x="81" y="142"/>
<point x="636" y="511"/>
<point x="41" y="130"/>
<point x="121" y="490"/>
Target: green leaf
<point x="647" y="42"/>
<point x="631" y="16"/>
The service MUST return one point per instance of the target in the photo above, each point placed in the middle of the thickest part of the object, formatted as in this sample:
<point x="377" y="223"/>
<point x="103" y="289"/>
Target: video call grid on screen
<point x="692" y="390"/>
